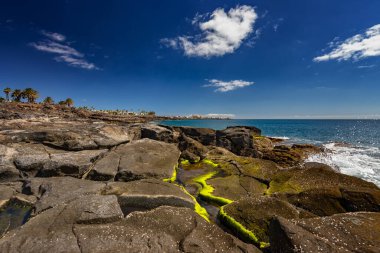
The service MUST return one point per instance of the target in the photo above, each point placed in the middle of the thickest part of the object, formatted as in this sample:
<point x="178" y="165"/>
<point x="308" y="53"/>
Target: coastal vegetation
<point x="30" y="95"/>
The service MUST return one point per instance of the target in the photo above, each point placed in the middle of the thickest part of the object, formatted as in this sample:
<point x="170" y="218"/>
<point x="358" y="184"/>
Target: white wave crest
<point x="362" y="162"/>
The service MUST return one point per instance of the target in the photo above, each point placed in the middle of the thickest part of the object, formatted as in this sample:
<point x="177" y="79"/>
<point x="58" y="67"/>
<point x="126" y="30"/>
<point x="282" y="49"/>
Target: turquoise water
<point x="353" y="145"/>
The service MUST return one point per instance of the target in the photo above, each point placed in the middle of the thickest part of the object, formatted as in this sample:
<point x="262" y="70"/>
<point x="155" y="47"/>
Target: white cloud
<point x="357" y="47"/>
<point x="75" y="62"/>
<point x="366" y="66"/>
<point x="54" y="36"/>
<point x="223" y="86"/>
<point x="223" y="33"/>
<point x="56" y="44"/>
<point x="56" y="48"/>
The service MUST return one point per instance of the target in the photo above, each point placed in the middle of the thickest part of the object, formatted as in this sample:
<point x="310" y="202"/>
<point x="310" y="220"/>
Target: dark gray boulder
<point x="206" y="136"/>
<point x="239" y="140"/>
<point x="159" y="133"/>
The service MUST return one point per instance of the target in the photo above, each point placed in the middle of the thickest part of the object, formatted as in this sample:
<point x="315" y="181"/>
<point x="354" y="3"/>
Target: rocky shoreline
<point x="80" y="183"/>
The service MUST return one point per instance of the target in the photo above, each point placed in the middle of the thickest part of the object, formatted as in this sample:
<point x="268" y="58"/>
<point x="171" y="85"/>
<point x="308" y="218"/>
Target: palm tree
<point x="17" y="95"/>
<point x="31" y="95"/>
<point x="69" y="102"/>
<point x="7" y="91"/>
<point x="48" y="101"/>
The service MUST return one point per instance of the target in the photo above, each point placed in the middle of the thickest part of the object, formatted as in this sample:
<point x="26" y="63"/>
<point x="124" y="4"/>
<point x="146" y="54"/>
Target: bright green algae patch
<point x="173" y="178"/>
<point x="197" y="207"/>
<point x="240" y="229"/>
<point x="207" y="190"/>
<point x="209" y="162"/>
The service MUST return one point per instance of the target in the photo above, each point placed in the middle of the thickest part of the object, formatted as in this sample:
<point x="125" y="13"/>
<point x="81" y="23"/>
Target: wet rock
<point x="323" y="191"/>
<point x="255" y="214"/>
<point x="146" y="159"/>
<point x="349" y="232"/>
<point x="15" y="207"/>
<point x="13" y="214"/>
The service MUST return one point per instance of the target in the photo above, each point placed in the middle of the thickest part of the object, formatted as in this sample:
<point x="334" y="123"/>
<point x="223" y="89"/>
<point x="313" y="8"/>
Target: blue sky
<point x="252" y="59"/>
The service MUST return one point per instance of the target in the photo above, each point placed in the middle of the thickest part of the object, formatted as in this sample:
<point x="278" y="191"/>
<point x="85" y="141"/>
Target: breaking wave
<point x="359" y="161"/>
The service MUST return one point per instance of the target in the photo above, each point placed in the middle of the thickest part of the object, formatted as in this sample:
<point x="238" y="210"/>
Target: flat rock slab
<point x="55" y="191"/>
<point x="146" y="159"/>
<point x="147" y="194"/>
<point x="73" y="135"/>
<point x="349" y="232"/>
<point x="53" y="230"/>
<point x="96" y="224"/>
<point x="32" y="159"/>
<point x="164" y="229"/>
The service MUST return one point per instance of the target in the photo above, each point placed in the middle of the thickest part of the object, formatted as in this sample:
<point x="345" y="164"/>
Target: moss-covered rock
<point x="231" y="164"/>
<point x="235" y="187"/>
<point x="287" y="156"/>
<point x="254" y="214"/>
<point x="323" y="191"/>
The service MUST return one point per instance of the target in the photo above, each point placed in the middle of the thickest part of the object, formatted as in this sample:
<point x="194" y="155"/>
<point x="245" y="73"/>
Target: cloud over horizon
<point x="55" y="44"/>
<point x="358" y="47"/>
<point x="222" y="34"/>
<point x="223" y="86"/>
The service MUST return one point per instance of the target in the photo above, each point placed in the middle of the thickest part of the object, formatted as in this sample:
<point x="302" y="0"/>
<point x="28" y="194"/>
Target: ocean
<point x="353" y="145"/>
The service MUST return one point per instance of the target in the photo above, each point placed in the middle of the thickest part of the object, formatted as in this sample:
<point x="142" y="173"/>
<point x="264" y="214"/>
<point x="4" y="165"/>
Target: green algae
<point x="210" y="162"/>
<point x="240" y="229"/>
<point x="173" y="178"/>
<point x="207" y="190"/>
<point x="185" y="162"/>
<point x="282" y="183"/>
<point x="197" y="207"/>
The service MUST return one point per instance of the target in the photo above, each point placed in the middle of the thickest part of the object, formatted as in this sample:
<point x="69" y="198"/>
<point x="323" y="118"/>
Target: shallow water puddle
<point x="13" y="215"/>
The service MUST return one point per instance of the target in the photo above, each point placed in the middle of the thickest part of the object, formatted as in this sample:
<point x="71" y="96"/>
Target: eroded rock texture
<point x="76" y="184"/>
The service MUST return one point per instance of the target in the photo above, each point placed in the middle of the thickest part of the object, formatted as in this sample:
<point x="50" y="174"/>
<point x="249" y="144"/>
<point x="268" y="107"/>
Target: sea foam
<point x="363" y="162"/>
